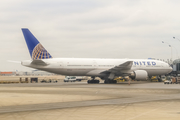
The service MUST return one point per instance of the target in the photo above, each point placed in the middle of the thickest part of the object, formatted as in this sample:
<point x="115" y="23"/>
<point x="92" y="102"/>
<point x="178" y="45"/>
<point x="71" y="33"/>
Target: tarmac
<point x="82" y="101"/>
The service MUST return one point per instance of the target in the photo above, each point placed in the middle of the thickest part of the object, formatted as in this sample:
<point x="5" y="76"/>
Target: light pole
<point x="171" y="50"/>
<point x="176" y="38"/>
<point x="175" y="48"/>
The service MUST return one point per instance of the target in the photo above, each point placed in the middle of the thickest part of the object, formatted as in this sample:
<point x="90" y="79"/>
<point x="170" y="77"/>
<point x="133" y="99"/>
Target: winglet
<point x="36" y="50"/>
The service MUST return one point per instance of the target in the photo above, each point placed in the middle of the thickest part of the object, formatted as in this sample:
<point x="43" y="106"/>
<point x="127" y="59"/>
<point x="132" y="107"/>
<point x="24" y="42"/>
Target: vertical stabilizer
<point x="36" y="50"/>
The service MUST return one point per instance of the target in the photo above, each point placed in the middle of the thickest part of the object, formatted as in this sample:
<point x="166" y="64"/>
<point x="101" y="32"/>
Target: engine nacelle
<point x="139" y="75"/>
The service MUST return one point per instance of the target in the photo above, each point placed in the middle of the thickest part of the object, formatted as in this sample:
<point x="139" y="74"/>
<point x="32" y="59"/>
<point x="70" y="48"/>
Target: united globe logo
<point x="40" y="52"/>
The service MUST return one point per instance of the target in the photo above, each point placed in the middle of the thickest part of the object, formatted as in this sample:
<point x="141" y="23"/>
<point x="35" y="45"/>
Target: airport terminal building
<point x="176" y="66"/>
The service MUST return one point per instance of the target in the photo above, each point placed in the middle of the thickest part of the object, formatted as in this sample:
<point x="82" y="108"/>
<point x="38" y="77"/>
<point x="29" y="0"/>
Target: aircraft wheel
<point x="106" y="82"/>
<point x="110" y="81"/>
<point x="93" y="81"/>
<point x="114" y="81"/>
<point x="97" y="81"/>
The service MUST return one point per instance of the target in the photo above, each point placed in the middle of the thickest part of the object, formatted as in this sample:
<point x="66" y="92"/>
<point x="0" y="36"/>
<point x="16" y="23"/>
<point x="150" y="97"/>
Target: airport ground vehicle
<point x="120" y="79"/>
<point x="163" y="78"/>
<point x="157" y="79"/>
<point x="172" y="80"/>
<point x="48" y="81"/>
<point x="168" y="82"/>
<point x="178" y="80"/>
<point x="43" y="81"/>
<point x="74" y="78"/>
<point x="154" y="79"/>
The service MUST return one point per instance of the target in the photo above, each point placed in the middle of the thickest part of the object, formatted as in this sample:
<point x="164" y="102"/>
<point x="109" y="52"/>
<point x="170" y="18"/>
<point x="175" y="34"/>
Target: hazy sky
<point x="89" y="29"/>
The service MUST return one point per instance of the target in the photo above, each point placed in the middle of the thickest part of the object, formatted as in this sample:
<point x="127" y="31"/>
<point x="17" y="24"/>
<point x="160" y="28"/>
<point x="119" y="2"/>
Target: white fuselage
<point x="95" y="67"/>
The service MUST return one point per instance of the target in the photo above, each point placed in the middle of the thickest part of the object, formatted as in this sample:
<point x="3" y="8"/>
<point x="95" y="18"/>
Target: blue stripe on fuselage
<point x="144" y="63"/>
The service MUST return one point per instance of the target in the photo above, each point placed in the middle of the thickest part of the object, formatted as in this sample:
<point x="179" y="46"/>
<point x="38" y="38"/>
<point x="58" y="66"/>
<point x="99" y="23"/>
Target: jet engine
<point x="139" y="75"/>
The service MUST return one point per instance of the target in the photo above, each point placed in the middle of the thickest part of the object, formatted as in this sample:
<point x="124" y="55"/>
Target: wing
<point x="125" y="66"/>
<point x="120" y="69"/>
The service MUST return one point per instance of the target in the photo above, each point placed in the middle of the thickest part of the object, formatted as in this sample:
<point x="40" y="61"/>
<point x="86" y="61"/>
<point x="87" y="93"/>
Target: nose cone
<point x="170" y="69"/>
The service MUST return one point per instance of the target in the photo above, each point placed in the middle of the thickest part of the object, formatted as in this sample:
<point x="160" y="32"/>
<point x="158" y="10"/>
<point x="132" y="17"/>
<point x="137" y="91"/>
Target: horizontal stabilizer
<point x="39" y="62"/>
<point x="14" y="61"/>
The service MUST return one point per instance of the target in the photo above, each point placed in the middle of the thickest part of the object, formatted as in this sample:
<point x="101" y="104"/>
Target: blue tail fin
<point x="36" y="50"/>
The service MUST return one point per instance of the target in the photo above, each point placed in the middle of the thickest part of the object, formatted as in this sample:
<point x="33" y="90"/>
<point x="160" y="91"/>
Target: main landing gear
<point x="159" y="78"/>
<point x="108" y="81"/>
<point x="93" y="81"/>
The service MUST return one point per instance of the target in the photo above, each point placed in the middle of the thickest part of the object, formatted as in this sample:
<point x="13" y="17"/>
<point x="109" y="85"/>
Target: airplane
<point x="106" y="69"/>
